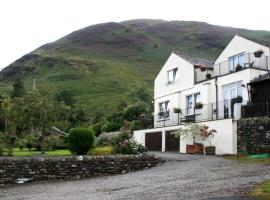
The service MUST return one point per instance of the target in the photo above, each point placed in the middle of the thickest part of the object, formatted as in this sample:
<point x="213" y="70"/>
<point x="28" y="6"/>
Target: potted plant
<point x="178" y="111"/>
<point x="208" y="76"/>
<point x="208" y="134"/>
<point x="191" y="130"/>
<point x="258" y="53"/>
<point x="238" y="67"/>
<point x="198" y="105"/>
<point x="237" y="99"/>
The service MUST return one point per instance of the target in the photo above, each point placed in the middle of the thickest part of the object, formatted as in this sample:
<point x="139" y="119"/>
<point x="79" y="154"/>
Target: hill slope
<point x="101" y="63"/>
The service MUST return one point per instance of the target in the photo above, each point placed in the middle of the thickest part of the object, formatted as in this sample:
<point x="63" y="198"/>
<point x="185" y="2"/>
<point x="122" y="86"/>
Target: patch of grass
<point x="245" y="159"/>
<point x="25" y="152"/>
<point x="262" y="191"/>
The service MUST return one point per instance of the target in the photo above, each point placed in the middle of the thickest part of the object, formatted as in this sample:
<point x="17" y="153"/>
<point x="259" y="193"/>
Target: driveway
<point x="181" y="177"/>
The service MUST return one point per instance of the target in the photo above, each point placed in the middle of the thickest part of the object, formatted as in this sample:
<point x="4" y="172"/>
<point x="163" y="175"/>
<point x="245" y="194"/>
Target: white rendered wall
<point x="185" y="77"/>
<point x="240" y="45"/>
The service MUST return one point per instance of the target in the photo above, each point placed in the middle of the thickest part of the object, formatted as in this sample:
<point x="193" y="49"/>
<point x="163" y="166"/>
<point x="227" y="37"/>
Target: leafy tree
<point x="18" y="88"/>
<point x="38" y="112"/>
<point x="65" y="96"/>
<point x="6" y="108"/>
<point x="141" y="94"/>
<point x="135" y="110"/>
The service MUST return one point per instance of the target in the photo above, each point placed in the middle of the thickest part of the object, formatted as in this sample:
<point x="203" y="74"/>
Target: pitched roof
<point x="259" y="41"/>
<point x="261" y="78"/>
<point x="194" y="60"/>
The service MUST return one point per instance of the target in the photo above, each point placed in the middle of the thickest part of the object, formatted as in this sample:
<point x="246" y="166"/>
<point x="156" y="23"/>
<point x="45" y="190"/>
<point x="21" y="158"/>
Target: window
<point x="231" y="91"/>
<point x="172" y="76"/>
<point x="235" y="60"/>
<point x="191" y="101"/>
<point x="164" y="109"/>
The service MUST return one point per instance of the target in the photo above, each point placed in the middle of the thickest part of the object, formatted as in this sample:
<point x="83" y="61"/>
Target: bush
<point x="53" y="142"/>
<point x="99" y="151"/>
<point x="111" y="139"/>
<point x="80" y="140"/>
<point x="110" y="127"/>
<point x="97" y="129"/>
<point x="1" y="150"/>
<point x="31" y="141"/>
<point x="130" y="147"/>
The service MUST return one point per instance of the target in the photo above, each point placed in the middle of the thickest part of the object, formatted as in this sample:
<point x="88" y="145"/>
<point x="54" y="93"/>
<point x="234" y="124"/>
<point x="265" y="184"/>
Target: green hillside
<point x="101" y="63"/>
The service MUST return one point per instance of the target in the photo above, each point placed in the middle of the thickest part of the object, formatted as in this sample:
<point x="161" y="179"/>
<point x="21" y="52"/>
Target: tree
<point x="6" y="107"/>
<point x="192" y="130"/>
<point x="39" y="112"/>
<point x="66" y="96"/>
<point x="141" y="94"/>
<point x="18" y="88"/>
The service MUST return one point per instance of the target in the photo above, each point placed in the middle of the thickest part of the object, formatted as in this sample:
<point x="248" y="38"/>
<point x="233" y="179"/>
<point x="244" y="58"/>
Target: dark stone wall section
<point x="253" y="136"/>
<point x="70" y="168"/>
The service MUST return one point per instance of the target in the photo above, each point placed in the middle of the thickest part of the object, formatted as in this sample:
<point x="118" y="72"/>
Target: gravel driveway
<point x="181" y="177"/>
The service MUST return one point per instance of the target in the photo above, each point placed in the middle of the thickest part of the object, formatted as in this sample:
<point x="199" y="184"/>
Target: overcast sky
<point x="27" y="24"/>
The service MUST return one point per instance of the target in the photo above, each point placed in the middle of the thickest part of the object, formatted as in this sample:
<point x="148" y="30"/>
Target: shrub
<point x="1" y="150"/>
<point x="130" y="147"/>
<point x="80" y="140"/>
<point x="31" y="141"/>
<point x="97" y="129"/>
<point x="107" y="138"/>
<point x="110" y="127"/>
<point x="53" y="142"/>
<point x="99" y="151"/>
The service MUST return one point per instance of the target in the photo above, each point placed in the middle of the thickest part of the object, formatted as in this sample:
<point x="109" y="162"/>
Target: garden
<point x="41" y="122"/>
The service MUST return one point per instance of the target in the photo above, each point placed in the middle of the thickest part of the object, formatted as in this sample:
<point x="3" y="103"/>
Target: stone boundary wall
<point x="70" y="168"/>
<point x="253" y="135"/>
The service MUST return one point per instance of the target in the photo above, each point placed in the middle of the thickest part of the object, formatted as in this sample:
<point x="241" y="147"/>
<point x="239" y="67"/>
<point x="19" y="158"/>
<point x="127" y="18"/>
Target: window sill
<point x="171" y="83"/>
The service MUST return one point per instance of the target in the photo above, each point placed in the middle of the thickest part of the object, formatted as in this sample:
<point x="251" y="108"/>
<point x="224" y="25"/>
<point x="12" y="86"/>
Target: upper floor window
<point x="191" y="100"/>
<point x="164" y="109"/>
<point x="236" y="60"/>
<point x="172" y="76"/>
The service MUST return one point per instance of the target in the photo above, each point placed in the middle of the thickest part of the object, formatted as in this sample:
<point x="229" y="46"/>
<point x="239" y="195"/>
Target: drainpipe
<point x="216" y="97"/>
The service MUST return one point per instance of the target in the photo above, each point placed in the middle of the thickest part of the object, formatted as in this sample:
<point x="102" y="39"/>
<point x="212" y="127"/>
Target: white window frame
<point x="174" y="73"/>
<point x="190" y="108"/>
<point x="235" y="60"/>
<point x="164" y="107"/>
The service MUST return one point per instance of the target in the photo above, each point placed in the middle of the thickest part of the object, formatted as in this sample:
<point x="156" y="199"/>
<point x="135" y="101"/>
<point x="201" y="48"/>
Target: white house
<point x="185" y="81"/>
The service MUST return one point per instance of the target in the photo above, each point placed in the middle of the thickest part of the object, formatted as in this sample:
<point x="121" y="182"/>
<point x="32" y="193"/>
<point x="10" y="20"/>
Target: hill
<point x="101" y="63"/>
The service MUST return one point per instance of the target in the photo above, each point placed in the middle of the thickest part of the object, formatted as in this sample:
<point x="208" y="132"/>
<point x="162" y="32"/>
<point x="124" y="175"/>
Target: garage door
<point x="153" y="141"/>
<point x="171" y="143"/>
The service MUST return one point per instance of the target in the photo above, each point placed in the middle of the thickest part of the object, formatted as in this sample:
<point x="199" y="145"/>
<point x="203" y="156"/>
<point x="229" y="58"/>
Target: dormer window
<point x="236" y="60"/>
<point x="172" y="76"/>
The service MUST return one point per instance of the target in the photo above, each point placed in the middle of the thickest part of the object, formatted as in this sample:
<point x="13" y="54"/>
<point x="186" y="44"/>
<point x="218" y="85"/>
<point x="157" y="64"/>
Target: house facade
<point x="208" y="92"/>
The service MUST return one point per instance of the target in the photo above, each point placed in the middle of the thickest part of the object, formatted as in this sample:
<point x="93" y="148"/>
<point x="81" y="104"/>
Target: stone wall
<point x="68" y="168"/>
<point x="253" y="135"/>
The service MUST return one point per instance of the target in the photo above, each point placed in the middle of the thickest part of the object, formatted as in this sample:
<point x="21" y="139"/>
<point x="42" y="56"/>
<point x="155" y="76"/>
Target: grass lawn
<point x="262" y="191"/>
<point x="245" y="159"/>
<point x="25" y="152"/>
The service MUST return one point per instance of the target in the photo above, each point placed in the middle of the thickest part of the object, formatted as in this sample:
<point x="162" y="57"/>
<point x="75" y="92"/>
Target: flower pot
<point x="210" y="150"/>
<point x="194" y="149"/>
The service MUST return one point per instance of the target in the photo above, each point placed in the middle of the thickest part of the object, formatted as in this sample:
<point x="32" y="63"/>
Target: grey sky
<point x="27" y="24"/>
